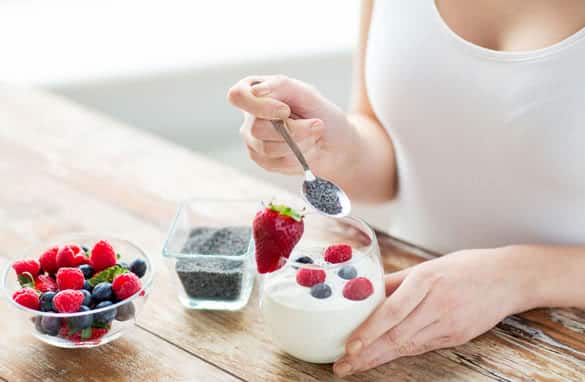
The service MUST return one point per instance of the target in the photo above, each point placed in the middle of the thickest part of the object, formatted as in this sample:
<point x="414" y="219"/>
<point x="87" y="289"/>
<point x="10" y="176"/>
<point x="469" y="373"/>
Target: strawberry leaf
<point x="107" y="275"/>
<point x="286" y="211"/>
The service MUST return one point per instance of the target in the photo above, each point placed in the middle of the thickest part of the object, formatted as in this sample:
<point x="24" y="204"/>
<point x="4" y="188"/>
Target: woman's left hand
<point x="440" y="303"/>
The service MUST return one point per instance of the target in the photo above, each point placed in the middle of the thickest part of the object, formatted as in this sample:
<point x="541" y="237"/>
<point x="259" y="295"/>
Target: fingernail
<point x="354" y="347"/>
<point x="282" y="113"/>
<point x="260" y="90"/>
<point x="342" y="369"/>
<point x="317" y="125"/>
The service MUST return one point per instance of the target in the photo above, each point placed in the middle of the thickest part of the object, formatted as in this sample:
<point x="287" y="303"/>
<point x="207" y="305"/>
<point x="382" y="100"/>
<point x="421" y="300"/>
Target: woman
<point x="471" y="116"/>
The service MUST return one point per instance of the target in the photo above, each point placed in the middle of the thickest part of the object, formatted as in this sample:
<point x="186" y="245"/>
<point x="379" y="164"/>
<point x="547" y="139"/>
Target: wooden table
<point x="66" y="169"/>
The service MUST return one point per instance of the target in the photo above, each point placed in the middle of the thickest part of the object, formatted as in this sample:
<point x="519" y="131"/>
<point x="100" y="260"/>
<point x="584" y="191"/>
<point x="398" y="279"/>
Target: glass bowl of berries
<point x="321" y="278"/>
<point x="79" y="290"/>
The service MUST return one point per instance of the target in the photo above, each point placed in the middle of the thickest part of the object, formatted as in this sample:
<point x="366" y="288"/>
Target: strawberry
<point x="358" y="289"/>
<point x="44" y="283"/>
<point x="71" y="256"/>
<point x="276" y="229"/>
<point x="102" y="256"/>
<point x="308" y="277"/>
<point x="31" y="266"/>
<point x="27" y="297"/>
<point x="48" y="260"/>
<point x="338" y="253"/>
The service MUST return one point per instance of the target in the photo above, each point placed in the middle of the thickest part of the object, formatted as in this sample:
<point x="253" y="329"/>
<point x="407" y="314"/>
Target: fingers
<point x="302" y="98"/>
<point x="299" y="129"/>
<point x="393" y="280"/>
<point x="427" y="339"/>
<point x="393" y="311"/>
<point x="240" y="95"/>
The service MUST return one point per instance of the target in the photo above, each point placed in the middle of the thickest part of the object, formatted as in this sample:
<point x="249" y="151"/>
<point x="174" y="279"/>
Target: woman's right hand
<point x="320" y="128"/>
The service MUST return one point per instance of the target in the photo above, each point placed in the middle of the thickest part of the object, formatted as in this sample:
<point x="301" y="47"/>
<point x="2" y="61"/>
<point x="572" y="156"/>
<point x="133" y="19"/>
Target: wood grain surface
<point x="66" y="169"/>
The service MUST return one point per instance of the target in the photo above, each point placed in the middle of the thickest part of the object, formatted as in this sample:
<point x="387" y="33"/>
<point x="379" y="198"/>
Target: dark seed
<point x="323" y="196"/>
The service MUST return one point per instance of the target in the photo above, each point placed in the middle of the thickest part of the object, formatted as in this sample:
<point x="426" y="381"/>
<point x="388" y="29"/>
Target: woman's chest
<point x="450" y="103"/>
<point x="513" y="25"/>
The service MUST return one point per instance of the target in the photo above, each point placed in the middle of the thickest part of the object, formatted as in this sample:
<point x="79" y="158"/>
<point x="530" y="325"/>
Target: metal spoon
<point x="325" y="196"/>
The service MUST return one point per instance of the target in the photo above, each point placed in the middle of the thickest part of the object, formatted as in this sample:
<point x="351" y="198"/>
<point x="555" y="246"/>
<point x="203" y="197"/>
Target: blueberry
<point x="87" y="286"/>
<point x="81" y="322"/>
<point x="125" y="312"/>
<point x="51" y="325"/>
<point x="138" y="267"/>
<point x="47" y="301"/>
<point x="304" y="260"/>
<point x="347" y="272"/>
<point x="86" y="297"/>
<point x="38" y="324"/>
<point x="85" y="249"/>
<point x="124" y="265"/>
<point x="320" y="290"/>
<point x="87" y="270"/>
<point x="102" y="292"/>
<point x="105" y="316"/>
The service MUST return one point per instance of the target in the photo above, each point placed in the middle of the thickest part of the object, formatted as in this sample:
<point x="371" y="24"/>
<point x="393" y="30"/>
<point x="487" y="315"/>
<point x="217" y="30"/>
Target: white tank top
<point x="490" y="146"/>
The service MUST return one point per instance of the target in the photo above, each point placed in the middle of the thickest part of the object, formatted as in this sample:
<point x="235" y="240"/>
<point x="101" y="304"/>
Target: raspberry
<point x="358" y="289"/>
<point x="48" y="260"/>
<point x="68" y="301"/>
<point x="76" y="336"/>
<point x="337" y="253"/>
<point x="71" y="256"/>
<point x="102" y="256"/>
<point x="27" y="297"/>
<point x="125" y="285"/>
<point x="31" y="266"/>
<point x="70" y="278"/>
<point x="44" y="283"/>
<point x="309" y="277"/>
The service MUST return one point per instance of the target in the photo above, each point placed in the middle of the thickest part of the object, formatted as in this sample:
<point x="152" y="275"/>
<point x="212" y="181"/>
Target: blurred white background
<point x="165" y="65"/>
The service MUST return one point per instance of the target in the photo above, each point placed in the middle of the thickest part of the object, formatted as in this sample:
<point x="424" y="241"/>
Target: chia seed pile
<point x="323" y="196"/>
<point x="208" y="277"/>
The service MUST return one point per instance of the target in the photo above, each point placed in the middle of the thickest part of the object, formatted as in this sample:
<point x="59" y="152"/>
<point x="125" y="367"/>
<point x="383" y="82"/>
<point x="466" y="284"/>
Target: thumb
<point x="304" y="100"/>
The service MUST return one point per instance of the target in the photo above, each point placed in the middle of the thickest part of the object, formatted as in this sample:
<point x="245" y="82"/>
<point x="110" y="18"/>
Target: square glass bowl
<point x="210" y="253"/>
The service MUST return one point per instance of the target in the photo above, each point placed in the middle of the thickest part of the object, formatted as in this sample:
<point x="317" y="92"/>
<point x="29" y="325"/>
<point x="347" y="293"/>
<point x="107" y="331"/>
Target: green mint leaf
<point x="118" y="256"/>
<point x="86" y="333"/>
<point x="107" y="275"/>
<point x="100" y="325"/>
<point x="25" y="279"/>
<point x="72" y="331"/>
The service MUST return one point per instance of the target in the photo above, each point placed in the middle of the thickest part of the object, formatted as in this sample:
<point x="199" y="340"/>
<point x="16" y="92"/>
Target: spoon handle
<point x="280" y="127"/>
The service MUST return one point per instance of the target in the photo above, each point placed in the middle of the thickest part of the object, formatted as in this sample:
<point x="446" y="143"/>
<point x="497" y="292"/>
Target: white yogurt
<point x="312" y="329"/>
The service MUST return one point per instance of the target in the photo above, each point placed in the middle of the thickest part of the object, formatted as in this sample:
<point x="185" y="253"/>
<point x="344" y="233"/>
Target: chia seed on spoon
<point x="324" y="196"/>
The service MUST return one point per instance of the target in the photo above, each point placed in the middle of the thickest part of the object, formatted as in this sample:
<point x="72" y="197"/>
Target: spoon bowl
<point x="325" y="196"/>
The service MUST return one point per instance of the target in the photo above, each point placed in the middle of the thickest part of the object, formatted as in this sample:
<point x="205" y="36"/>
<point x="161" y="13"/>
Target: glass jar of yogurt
<point x="315" y="300"/>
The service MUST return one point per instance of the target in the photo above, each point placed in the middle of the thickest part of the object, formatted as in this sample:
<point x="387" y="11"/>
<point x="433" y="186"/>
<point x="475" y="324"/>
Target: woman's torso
<point x="489" y="144"/>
